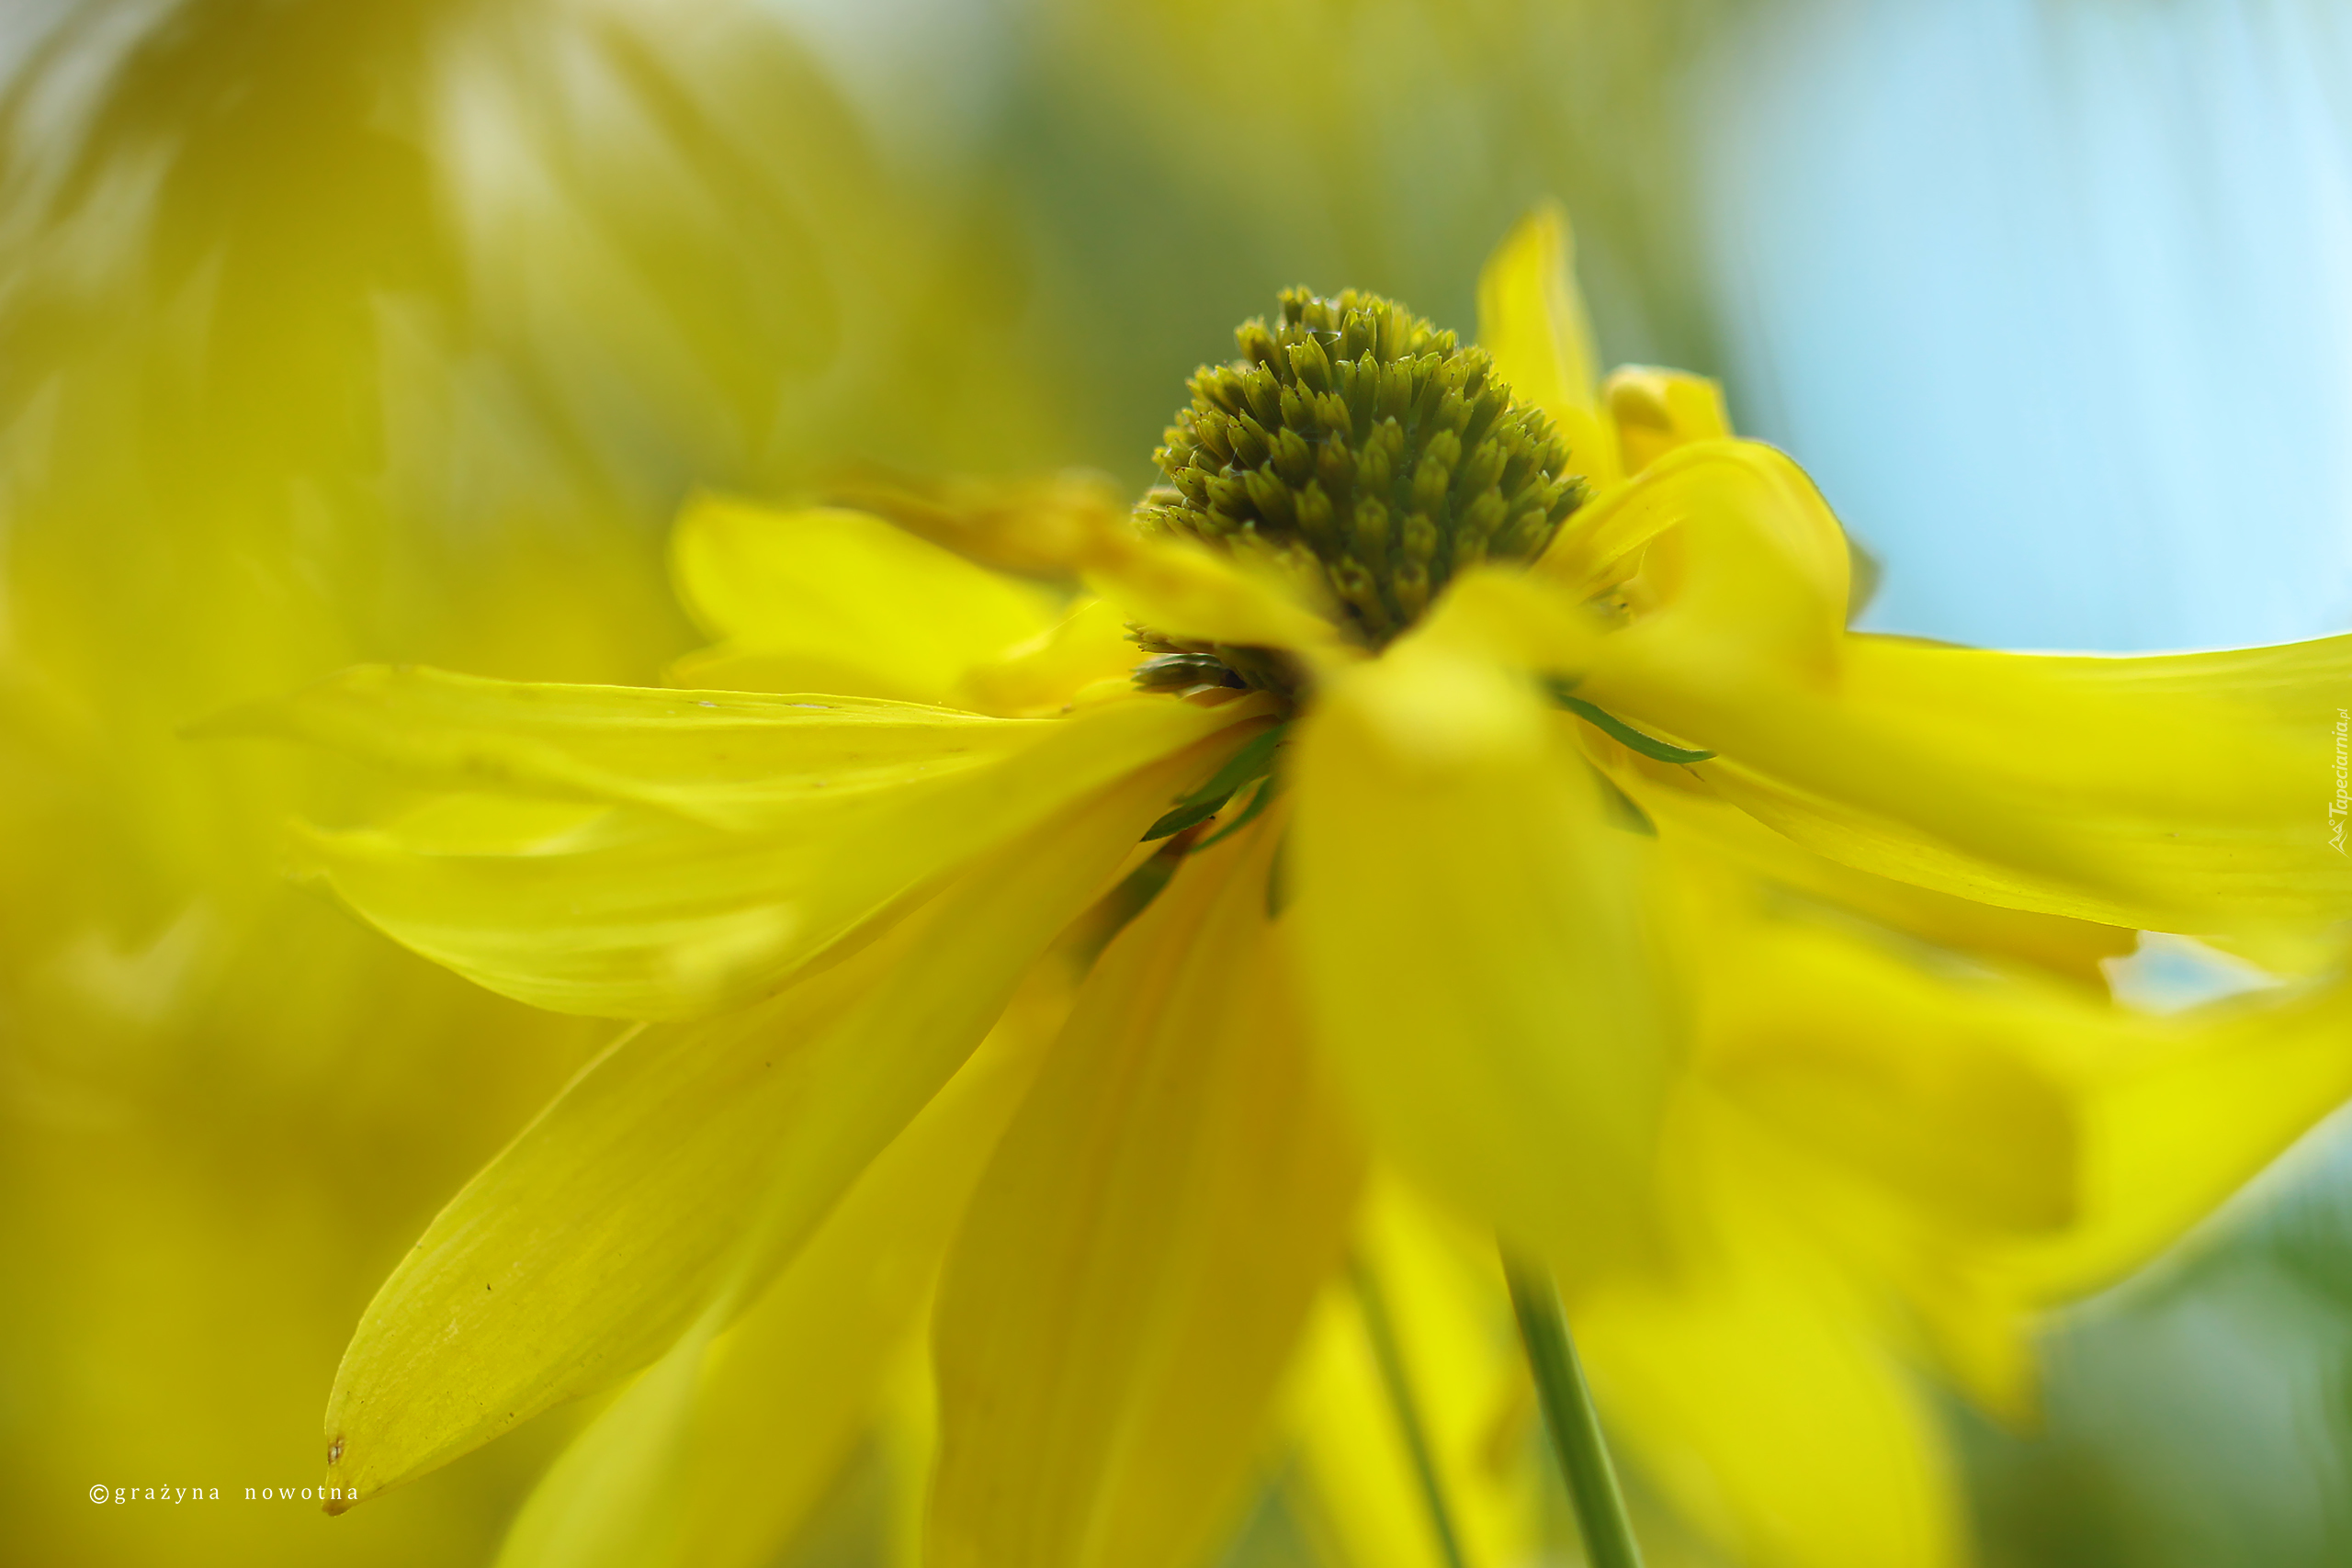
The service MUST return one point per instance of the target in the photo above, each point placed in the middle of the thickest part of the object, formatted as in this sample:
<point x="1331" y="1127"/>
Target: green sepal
<point x="1617" y="729"/>
<point x="1252" y="762"/>
<point x="1268" y="787"/>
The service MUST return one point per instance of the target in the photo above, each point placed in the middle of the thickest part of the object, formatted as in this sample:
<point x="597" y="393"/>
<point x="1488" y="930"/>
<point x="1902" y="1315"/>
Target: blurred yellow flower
<point x="1433" y="832"/>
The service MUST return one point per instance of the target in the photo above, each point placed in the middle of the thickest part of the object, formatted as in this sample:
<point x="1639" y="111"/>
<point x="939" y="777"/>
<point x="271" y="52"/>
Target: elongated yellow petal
<point x="718" y="1451"/>
<point x="649" y="914"/>
<point x="725" y="759"/>
<point x="1532" y="319"/>
<point x="819" y="599"/>
<point x="689" y="1151"/>
<point x="1474" y="933"/>
<point x="1710" y="837"/>
<point x="1754" y="1394"/>
<point x="1140" y="1259"/>
<point x="2183" y="793"/>
<point x="2188" y="792"/>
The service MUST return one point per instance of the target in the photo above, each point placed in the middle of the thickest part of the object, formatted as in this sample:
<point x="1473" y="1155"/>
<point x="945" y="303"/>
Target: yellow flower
<point x="1499" y="803"/>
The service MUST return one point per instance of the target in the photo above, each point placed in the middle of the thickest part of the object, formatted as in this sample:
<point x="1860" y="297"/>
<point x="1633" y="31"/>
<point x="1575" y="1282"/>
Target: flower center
<point x="1367" y="454"/>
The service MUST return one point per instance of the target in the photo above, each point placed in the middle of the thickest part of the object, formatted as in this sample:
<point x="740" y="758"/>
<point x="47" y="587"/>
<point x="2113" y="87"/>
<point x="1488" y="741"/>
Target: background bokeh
<point x="344" y="329"/>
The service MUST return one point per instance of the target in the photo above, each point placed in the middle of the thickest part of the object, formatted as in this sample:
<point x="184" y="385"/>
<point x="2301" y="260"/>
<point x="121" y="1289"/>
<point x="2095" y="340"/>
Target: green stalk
<point x="1568" y="1411"/>
<point x="1382" y="1331"/>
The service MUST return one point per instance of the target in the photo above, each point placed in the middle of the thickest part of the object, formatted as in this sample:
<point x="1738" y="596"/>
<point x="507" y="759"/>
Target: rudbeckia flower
<point x="1459" y="778"/>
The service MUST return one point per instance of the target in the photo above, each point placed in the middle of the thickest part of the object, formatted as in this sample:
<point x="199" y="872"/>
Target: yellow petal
<point x="694" y="1155"/>
<point x="1701" y="830"/>
<point x="2180" y="1117"/>
<point x="647" y="913"/>
<point x="725" y="759"/>
<point x="1472" y="931"/>
<point x="1656" y="411"/>
<point x="1930" y="1085"/>
<point x="1738" y="553"/>
<point x="1037" y="525"/>
<point x="2182" y="793"/>
<point x="819" y="599"/>
<point x="1533" y="321"/>
<point x="1183" y="589"/>
<point x="1993" y="1144"/>
<point x="692" y="1464"/>
<point x="1756" y="1396"/>
<point x="1141" y="1257"/>
<point x="1087" y="647"/>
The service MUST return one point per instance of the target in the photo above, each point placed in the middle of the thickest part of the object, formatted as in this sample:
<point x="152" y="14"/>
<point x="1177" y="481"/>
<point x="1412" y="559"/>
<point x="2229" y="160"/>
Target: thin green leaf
<point x="1268" y="787"/>
<point x="1617" y="729"/>
<point x="1253" y="762"/>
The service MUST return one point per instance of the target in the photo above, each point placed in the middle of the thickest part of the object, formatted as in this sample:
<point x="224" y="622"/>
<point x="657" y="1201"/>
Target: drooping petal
<point x="1938" y="1086"/>
<point x="697" y="1467"/>
<point x="1532" y="319"/>
<point x="2182" y="1116"/>
<point x="2181" y="793"/>
<point x="819" y="599"/>
<point x="1476" y="943"/>
<point x="833" y="815"/>
<point x="1756" y="1395"/>
<point x="1709" y="837"/>
<point x="694" y="1155"/>
<point x="1142" y="1255"/>
<point x="1991" y="1144"/>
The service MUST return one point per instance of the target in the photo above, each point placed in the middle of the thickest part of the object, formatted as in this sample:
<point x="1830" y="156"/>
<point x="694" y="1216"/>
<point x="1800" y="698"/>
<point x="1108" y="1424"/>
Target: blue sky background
<point x="2054" y="300"/>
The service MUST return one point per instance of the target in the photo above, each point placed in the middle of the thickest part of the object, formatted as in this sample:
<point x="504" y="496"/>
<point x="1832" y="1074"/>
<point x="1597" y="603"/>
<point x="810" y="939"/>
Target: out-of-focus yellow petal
<point x="1476" y="941"/>
<point x="1142" y="1255"/>
<point x="2181" y="1114"/>
<point x="1929" y="1085"/>
<point x="819" y="599"/>
<point x="646" y="914"/>
<point x="689" y="1151"/>
<point x="1991" y="1144"/>
<point x="1038" y="525"/>
<point x="726" y="759"/>
<point x="1087" y="645"/>
<point x="1532" y="319"/>
<point x="1184" y="589"/>
<point x="1656" y="411"/>
<point x="1469" y="1385"/>
<point x="1758" y="1397"/>
<point x="700" y="1470"/>
<point x="1740" y="559"/>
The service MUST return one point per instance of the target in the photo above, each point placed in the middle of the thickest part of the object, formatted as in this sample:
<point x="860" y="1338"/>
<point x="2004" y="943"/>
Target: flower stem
<point x="1568" y="1411"/>
<point x="1381" y="1330"/>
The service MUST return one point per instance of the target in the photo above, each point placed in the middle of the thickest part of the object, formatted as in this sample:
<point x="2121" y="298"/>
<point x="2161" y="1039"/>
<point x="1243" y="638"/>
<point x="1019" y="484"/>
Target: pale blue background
<point x="2055" y="299"/>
